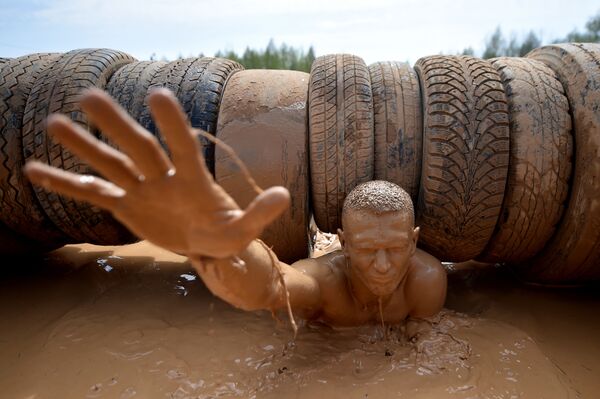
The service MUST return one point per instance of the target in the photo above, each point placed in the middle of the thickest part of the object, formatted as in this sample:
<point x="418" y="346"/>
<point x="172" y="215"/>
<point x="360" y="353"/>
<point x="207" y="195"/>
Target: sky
<point x="376" y="30"/>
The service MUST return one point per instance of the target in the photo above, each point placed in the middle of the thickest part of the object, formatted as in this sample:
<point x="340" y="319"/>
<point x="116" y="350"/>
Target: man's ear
<point x="342" y="239"/>
<point x="340" y="234"/>
<point x="415" y="238"/>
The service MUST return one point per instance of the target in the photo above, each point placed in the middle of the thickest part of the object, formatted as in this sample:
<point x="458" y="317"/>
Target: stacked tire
<point x="34" y="86"/>
<point x="501" y="157"/>
<point x="31" y="88"/>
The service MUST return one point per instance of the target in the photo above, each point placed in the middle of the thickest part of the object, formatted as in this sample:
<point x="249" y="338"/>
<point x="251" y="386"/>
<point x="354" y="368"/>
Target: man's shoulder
<point x="426" y="284"/>
<point x="326" y="267"/>
<point x="426" y="269"/>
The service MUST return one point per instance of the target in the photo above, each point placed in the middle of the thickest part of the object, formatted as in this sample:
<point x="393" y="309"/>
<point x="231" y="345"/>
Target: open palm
<point x="173" y="203"/>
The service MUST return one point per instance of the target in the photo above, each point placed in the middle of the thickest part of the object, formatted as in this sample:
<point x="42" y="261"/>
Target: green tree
<point x="495" y="45"/>
<point x="531" y="41"/>
<point x="590" y="35"/>
<point x="499" y="46"/>
<point x="273" y="57"/>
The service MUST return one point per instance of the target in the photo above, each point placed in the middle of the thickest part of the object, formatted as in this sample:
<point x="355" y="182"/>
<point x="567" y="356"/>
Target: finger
<point x="112" y="164"/>
<point x="173" y="125"/>
<point x="143" y="148"/>
<point x="84" y="188"/>
<point x="265" y="208"/>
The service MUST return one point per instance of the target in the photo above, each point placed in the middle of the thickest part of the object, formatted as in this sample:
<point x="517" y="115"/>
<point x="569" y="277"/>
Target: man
<point x="379" y="275"/>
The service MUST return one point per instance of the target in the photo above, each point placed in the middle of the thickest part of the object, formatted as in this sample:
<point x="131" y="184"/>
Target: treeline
<point x="498" y="45"/>
<point x="273" y="57"/>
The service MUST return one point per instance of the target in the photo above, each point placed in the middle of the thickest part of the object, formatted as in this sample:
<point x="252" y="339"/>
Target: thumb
<point x="264" y="209"/>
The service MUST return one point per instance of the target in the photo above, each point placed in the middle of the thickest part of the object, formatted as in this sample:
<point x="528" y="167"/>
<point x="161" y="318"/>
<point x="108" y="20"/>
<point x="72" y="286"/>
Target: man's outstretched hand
<point x="173" y="203"/>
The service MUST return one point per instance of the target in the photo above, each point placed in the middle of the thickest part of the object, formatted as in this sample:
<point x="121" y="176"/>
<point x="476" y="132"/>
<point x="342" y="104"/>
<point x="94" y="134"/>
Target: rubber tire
<point x="21" y="211"/>
<point x="263" y="119"/>
<point x="129" y="85"/>
<point x="341" y="137"/>
<point x="3" y="61"/>
<point x="57" y="90"/>
<point x="573" y="253"/>
<point x="541" y="148"/>
<point x="198" y="83"/>
<point x="398" y="116"/>
<point x="465" y="155"/>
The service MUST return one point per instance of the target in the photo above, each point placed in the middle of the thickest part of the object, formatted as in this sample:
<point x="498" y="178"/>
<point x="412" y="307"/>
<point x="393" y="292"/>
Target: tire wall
<point x="573" y="253"/>
<point x="465" y="155"/>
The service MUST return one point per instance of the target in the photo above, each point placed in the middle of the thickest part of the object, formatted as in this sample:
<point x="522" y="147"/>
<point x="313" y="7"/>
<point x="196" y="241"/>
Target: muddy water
<point x="135" y="322"/>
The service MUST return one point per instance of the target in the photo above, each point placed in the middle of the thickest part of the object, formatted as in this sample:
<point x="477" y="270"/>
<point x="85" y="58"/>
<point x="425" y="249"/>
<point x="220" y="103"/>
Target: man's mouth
<point x="383" y="280"/>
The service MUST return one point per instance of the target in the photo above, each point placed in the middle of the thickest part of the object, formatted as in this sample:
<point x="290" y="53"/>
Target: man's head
<point x="378" y="236"/>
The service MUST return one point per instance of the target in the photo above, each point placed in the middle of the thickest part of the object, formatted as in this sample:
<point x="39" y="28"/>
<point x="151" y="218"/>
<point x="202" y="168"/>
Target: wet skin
<point x="176" y="204"/>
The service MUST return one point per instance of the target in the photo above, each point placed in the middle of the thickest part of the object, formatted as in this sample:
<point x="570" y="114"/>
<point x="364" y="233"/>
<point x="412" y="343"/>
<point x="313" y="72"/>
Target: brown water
<point x="135" y="322"/>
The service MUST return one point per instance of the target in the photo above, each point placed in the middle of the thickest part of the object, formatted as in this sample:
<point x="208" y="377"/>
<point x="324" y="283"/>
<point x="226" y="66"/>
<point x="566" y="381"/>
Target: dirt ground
<point x="135" y="321"/>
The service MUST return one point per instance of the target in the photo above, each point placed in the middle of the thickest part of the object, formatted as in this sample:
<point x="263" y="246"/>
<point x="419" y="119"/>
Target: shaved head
<point x="378" y="197"/>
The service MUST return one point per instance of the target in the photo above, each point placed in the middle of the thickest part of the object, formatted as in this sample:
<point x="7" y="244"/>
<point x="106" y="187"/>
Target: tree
<point x="495" y="45"/>
<point x="590" y="35"/>
<point x="273" y="57"/>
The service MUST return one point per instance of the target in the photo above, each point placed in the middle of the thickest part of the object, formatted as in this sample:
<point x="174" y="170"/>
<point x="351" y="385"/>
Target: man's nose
<point x="382" y="263"/>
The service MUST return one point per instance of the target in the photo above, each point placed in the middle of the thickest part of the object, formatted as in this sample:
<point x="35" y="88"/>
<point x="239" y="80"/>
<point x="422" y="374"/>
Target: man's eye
<point x="365" y="251"/>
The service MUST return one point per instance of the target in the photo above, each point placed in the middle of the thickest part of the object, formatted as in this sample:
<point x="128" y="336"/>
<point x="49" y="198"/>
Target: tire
<point x="465" y="155"/>
<point x="541" y="148"/>
<point x="198" y="83"/>
<point x="21" y="211"/>
<point x="341" y="137"/>
<point x="57" y="90"/>
<point x="398" y="117"/>
<point x="263" y="119"/>
<point x="3" y="61"/>
<point x="573" y="253"/>
<point x="129" y="85"/>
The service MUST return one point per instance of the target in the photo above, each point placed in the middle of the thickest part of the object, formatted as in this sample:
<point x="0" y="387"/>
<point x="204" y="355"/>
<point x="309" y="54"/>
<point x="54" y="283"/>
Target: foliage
<point x="273" y="57"/>
<point x="590" y="35"/>
<point x="497" y="45"/>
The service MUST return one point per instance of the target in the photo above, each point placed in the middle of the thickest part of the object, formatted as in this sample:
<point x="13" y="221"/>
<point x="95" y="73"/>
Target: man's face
<point x="379" y="248"/>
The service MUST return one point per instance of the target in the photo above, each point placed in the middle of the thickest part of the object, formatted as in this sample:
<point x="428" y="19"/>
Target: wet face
<point x="379" y="248"/>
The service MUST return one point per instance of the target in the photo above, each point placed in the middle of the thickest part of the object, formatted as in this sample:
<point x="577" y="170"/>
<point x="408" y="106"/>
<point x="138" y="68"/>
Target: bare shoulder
<point x="325" y="268"/>
<point x="426" y="285"/>
<point x="318" y="284"/>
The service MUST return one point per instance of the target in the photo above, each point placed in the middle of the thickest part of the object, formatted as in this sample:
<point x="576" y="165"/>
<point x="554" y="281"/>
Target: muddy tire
<point x="21" y="211"/>
<point x="465" y="155"/>
<point x="263" y="119"/>
<point x="573" y="253"/>
<point x="341" y="141"/>
<point x="198" y="83"/>
<point x="541" y="148"/>
<point x="57" y="90"/>
<point x="398" y="117"/>
<point x="129" y="85"/>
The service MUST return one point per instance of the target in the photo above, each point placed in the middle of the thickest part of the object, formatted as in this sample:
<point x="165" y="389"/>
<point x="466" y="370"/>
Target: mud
<point x="135" y="321"/>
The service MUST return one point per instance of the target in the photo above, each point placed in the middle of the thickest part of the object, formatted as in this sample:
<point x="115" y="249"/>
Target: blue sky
<point x="373" y="29"/>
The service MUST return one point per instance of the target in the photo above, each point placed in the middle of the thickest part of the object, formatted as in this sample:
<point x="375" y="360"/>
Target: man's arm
<point x="175" y="202"/>
<point x="256" y="283"/>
